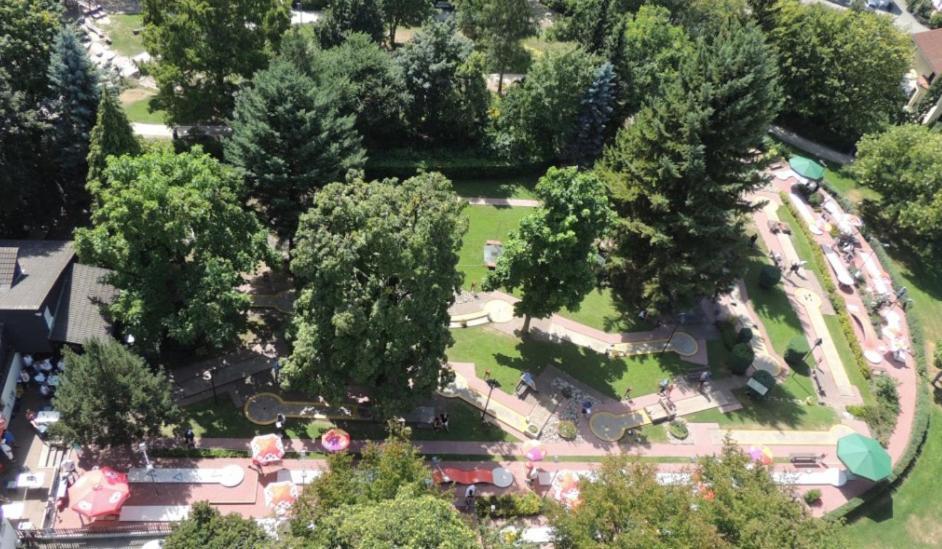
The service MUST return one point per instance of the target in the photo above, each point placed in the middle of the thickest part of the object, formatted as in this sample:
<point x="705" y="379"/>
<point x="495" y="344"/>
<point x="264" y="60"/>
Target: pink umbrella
<point x="335" y="440"/>
<point x="761" y="455"/>
<point x="534" y="451"/>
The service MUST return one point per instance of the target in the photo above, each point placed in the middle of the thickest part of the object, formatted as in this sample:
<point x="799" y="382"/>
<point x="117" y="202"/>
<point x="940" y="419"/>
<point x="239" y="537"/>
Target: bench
<point x="470" y="319"/>
<point x="694" y="375"/>
<point x="804" y="459"/>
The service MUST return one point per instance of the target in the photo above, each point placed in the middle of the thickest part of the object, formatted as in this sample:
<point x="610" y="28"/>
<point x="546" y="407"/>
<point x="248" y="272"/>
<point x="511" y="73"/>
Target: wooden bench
<point x="470" y="319"/>
<point x="804" y="459"/>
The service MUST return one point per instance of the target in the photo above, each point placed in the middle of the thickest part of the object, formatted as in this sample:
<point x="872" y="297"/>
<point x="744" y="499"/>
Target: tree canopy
<point x="111" y="136"/>
<point x="539" y="116"/>
<point x="203" y="49"/>
<point x="29" y="29"/>
<point x="207" y="528"/>
<point x="173" y="230"/>
<point x="679" y="173"/>
<point x="377" y="268"/>
<point x="450" y="97"/>
<point x="500" y="25"/>
<point x="904" y="165"/>
<point x="108" y="396"/>
<point x="397" y="13"/>
<point x="832" y="76"/>
<point x="348" y="16"/>
<point x="553" y="256"/>
<point x="290" y="140"/>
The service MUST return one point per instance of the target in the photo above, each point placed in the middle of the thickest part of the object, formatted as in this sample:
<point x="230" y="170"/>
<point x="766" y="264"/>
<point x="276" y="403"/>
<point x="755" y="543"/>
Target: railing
<point x="62" y="536"/>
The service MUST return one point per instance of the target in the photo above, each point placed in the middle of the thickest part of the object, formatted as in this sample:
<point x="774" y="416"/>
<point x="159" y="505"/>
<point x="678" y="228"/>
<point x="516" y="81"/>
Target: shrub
<point x="744" y="336"/>
<point x="678" y="429"/>
<point x="797" y="349"/>
<point x="740" y="358"/>
<point x="567" y="430"/>
<point x="769" y="276"/>
<point x="815" y="200"/>
<point x="812" y="496"/>
<point x="728" y="333"/>
<point x="509" y="505"/>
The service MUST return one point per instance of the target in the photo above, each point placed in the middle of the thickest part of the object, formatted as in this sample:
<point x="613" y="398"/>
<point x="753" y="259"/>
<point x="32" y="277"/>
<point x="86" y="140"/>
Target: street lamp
<point x="817" y="343"/>
<point x="491" y="383"/>
<point x="208" y="376"/>
<point x="148" y="466"/>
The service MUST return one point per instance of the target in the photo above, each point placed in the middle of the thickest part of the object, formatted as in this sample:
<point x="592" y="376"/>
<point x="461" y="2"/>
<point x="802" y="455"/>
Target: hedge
<point x="854" y="507"/>
<point x="836" y="300"/>
<point x="509" y="505"/>
<point x="405" y="163"/>
<point x="741" y="358"/>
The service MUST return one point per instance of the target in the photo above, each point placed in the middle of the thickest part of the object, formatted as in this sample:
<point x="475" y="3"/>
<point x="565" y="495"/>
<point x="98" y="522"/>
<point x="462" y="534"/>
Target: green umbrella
<point x="864" y="457"/>
<point x="806" y="167"/>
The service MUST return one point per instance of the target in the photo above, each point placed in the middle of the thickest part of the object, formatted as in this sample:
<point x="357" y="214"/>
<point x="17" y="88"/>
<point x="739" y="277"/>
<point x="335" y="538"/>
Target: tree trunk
<point x="526" y="325"/>
<point x="500" y="82"/>
<point x="392" y="37"/>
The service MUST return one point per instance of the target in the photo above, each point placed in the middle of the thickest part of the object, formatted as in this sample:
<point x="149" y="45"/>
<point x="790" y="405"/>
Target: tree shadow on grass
<point x="772" y="305"/>
<point x="781" y="408"/>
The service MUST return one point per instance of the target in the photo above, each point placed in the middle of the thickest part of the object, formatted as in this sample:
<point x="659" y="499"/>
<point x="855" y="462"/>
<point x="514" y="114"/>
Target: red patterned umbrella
<point x="99" y="492"/>
<point x="335" y="440"/>
<point x="280" y="496"/>
<point x="267" y="449"/>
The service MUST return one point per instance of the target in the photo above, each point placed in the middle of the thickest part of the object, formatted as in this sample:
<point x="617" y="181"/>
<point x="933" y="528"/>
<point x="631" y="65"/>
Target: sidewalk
<point x="810" y="146"/>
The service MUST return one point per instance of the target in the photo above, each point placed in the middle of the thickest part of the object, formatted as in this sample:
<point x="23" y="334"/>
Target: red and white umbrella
<point x="565" y="489"/>
<point x="99" y="492"/>
<point x="267" y="449"/>
<point x="335" y="440"/>
<point x="280" y="496"/>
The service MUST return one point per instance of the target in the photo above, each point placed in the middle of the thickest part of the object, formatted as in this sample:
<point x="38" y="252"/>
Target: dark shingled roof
<point x="81" y="313"/>
<point x="41" y="263"/>
<point x="7" y="266"/>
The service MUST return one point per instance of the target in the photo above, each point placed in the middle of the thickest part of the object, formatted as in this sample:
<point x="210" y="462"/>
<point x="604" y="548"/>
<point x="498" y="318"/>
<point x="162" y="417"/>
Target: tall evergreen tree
<point x="111" y="136"/>
<point x="679" y="173"/>
<point x="289" y="138"/>
<point x="597" y="106"/>
<point x="74" y="91"/>
<point x="553" y="256"/>
<point x="594" y="22"/>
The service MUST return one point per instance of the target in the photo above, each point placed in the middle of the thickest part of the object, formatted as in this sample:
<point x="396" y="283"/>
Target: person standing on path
<point x="276" y="370"/>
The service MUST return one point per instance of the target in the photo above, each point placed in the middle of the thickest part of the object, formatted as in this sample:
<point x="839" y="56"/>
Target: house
<point x="48" y="299"/>
<point x="928" y="67"/>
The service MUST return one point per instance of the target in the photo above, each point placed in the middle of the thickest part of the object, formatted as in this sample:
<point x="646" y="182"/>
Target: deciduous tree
<point x="347" y="16"/>
<point x="289" y="138"/>
<point x="108" y="396"/>
<point x="904" y="165"/>
<point x="377" y="267"/>
<point x="203" y="49"/>
<point x="174" y="231"/>
<point x="827" y="78"/>
<point x="498" y="25"/>
<point x="29" y="29"/>
<point x="553" y="256"/>
<point x="207" y="528"/>
<point x="397" y="13"/>
<point x="450" y="97"/>
<point x="111" y="136"/>
<point x="678" y="175"/>
<point x="538" y="117"/>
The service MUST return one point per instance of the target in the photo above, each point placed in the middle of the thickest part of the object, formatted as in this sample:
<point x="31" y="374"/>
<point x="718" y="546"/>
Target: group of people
<point x="44" y="374"/>
<point x="440" y="423"/>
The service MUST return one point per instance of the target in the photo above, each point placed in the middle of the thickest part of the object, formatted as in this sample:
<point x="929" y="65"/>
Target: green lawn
<point x="139" y="111"/>
<point x="485" y="223"/>
<point x="224" y="420"/>
<point x="507" y="357"/>
<point x="599" y="311"/>
<point x="835" y="175"/>
<point x="779" y="410"/>
<point x="773" y="307"/>
<point x="121" y="31"/>
<point x="514" y="187"/>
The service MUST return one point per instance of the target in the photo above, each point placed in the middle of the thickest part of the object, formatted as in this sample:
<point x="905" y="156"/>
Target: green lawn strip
<point x="507" y="357"/>
<point x="485" y="223"/>
<point x="772" y="306"/>
<point x="911" y="515"/>
<point x="513" y="187"/>
<point x="224" y="420"/>
<point x="120" y="30"/>
<point x="809" y="253"/>
<point x="781" y="409"/>
<point x="835" y="175"/>
<point x="598" y="311"/>
<point x="138" y="111"/>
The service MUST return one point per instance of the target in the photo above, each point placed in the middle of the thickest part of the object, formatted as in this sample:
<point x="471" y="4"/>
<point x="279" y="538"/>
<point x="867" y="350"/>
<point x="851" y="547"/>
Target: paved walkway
<point x="152" y="131"/>
<point x="809" y="146"/>
<point x="509" y="202"/>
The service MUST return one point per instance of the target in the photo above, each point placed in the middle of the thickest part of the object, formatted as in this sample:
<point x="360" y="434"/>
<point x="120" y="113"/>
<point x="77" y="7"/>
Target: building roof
<point x="41" y="263"/>
<point x="81" y="312"/>
<point x="7" y="266"/>
<point x="929" y="44"/>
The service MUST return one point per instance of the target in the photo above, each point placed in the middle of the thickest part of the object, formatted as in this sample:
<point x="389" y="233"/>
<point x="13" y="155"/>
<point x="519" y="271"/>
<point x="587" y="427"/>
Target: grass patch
<point x="139" y="111"/>
<point x="772" y="306"/>
<point x="485" y="223"/>
<point x="507" y="357"/>
<point x="598" y="311"/>
<point x="781" y="409"/>
<point x="223" y="420"/>
<point x="513" y="187"/>
<point x="120" y="30"/>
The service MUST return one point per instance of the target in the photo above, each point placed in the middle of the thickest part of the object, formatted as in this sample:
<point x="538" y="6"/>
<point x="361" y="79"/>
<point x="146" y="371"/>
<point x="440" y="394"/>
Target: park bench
<point x="804" y="459"/>
<point x="694" y="375"/>
<point x="470" y="319"/>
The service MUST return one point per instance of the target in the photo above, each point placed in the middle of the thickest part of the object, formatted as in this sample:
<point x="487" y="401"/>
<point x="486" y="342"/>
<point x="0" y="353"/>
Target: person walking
<point x="190" y="438"/>
<point x="469" y="494"/>
<point x="280" y="425"/>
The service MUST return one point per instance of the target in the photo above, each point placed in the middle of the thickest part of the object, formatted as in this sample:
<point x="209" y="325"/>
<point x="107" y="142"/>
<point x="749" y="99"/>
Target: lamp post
<point x="491" y="383"/>
<point x="817" y="343"/>
<point x="208" y="376"/>
<point x="148" y="466"/>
